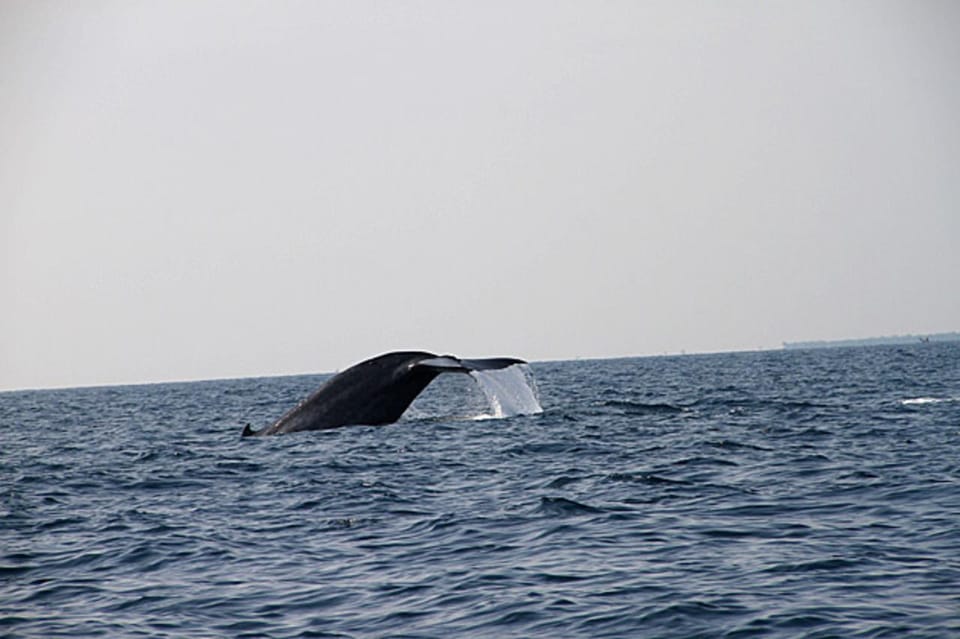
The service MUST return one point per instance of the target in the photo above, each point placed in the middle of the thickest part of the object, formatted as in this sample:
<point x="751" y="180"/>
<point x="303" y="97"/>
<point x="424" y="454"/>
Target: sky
<point x="209" y="189"/>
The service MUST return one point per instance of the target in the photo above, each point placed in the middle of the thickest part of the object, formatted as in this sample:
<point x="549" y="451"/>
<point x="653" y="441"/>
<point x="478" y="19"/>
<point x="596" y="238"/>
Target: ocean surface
<point x="811" y="493"/>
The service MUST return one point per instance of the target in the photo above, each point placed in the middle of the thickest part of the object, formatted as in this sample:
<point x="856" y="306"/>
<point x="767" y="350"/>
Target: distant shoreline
<point x="876" y="341"/>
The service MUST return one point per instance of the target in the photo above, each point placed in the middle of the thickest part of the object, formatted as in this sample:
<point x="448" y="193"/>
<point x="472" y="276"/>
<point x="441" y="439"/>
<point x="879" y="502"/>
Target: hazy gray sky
<point x="214" y="189"/>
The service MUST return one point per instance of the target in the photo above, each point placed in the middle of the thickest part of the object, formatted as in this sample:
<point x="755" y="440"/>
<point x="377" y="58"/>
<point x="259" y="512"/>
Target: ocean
<point x="807" y="493"/>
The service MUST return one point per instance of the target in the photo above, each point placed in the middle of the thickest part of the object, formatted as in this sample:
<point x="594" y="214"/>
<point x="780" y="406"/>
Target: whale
<point x="374" y="392"/>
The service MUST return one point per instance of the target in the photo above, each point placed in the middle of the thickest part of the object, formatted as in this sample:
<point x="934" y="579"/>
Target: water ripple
<point x="791" y="494"/>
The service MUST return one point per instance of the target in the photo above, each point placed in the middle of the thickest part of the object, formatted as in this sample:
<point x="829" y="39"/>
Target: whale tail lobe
<point x="449" y="363"/>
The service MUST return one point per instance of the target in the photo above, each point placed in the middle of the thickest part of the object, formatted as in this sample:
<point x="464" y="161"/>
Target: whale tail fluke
<point x="491" y="364"/>
<point x="451" y="363"/>
<point x="376" y="391"/>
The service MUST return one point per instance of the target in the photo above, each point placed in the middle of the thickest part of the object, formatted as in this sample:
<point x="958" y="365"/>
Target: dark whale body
<point x="373" y="392"/>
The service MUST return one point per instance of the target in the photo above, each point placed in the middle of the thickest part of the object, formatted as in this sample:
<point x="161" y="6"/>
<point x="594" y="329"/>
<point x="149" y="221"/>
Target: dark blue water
<point x="775" y="494"/>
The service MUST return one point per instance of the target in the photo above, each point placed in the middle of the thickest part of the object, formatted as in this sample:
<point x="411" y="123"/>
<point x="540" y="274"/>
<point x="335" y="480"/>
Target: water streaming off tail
<point x="487" y="394"/>
<point x="510" y="391"/>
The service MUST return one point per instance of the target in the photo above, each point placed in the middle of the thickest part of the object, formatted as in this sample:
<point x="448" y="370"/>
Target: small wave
<point x="13" y="571"/>
<point x="642" y="408"/>
<point x="700" y="460"/>
<point x="563" y="507"/>
<point x="680" y="613"/>
<point x="729" y="444"/>
<point x="745" y="405"/>
<point x="831" y="565"/>
<point x="647" y="478"/>
<point x="562" y="481"/>
<point x="542" y="448"/>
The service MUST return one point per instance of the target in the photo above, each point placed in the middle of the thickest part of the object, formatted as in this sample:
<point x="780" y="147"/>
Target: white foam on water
<point x="928" y="400"/>
<point x="510" y="391"/>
